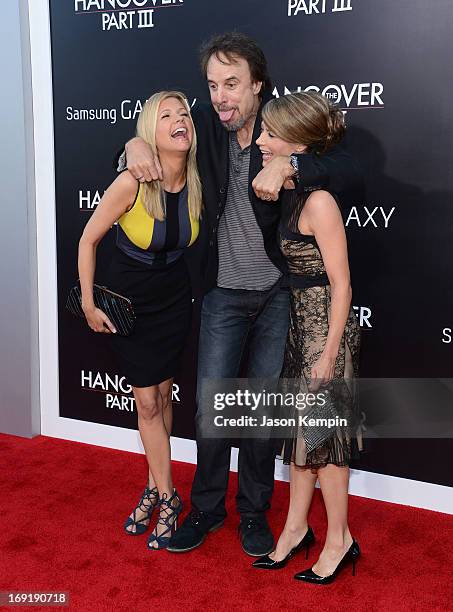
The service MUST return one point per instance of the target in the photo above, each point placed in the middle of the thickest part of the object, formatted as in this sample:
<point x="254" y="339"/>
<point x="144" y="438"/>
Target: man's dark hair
<point x="232" y="45"/>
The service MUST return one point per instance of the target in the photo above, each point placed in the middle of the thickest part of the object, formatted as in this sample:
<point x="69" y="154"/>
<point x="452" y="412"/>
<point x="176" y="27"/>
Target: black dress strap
<point x="304" y="282"/>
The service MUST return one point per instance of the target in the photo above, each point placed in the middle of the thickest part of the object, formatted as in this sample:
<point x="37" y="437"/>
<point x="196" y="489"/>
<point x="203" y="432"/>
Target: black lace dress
<point x="310" y="298"/>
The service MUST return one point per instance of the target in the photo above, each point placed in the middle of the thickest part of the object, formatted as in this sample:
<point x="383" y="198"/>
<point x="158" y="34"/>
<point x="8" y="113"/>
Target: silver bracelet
<point x="122" y="165"/>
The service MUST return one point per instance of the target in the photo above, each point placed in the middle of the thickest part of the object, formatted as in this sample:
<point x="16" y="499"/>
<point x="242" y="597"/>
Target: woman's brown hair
<point x="306" y="118"/>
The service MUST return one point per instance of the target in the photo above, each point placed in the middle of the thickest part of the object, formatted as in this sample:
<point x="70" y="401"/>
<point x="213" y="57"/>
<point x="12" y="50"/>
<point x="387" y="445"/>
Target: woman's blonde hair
<point x="305" y="118"/>
<point x="153" y="192"/>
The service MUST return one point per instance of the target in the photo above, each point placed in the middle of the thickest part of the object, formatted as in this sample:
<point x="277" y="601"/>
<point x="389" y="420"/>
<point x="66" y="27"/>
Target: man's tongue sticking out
<point x="225" y="115"/>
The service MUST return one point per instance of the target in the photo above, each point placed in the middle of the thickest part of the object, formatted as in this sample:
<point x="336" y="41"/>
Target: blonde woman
<point x="323" y="340"/>
<point x="156" y="222"/>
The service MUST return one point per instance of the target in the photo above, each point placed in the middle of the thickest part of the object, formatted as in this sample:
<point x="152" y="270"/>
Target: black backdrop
<point x="387" y="64"/>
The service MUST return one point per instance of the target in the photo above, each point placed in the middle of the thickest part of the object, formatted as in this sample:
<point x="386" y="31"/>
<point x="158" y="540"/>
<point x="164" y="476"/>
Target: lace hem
<point x="333" y="451"/>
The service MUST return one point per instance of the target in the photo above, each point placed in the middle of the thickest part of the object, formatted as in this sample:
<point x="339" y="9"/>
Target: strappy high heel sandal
<point x="147" y="503"/>
<point x="168" y="518"/>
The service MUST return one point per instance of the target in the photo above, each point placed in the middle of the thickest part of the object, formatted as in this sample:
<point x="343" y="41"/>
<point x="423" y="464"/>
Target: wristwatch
<point x="295" y="164"/>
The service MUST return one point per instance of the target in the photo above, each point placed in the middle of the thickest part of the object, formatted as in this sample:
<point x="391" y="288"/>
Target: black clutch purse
<point x="117" y="307"/>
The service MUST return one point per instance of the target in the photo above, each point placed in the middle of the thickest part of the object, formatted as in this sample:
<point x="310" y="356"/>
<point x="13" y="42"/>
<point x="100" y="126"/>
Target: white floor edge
<point x="370" y="485"/>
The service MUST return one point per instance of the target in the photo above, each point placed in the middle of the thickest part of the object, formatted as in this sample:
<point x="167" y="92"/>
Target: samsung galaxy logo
<point x="365" y="216"/>
<point x="129" y="109"/>
<point x="91" y="114"/>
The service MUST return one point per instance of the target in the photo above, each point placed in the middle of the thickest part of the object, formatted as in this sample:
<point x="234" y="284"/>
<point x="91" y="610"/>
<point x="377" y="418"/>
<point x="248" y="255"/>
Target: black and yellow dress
<point x="149" y="268"/>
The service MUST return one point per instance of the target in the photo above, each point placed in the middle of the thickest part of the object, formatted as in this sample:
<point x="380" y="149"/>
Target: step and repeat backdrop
<point x="385" y="63"/>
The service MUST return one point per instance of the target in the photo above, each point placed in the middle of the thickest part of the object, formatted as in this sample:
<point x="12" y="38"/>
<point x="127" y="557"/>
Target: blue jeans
<point x="232" y="319"/>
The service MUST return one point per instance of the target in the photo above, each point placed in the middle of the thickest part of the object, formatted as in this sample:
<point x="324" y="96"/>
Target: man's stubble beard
<point x="235" y="127"/>
<point x="240" y="123"/>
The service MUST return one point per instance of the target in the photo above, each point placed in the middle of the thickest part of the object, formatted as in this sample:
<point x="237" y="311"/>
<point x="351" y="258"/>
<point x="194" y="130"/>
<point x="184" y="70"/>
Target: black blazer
<point x="336" y="171"/>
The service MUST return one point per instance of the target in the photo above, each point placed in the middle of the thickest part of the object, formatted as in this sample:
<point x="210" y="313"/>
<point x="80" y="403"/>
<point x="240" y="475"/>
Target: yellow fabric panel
<point x="195" y="227"/>
<point x="137" y="224"/>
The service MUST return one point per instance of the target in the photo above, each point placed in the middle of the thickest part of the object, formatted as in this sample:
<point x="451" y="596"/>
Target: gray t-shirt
<point x="243" y="262"/>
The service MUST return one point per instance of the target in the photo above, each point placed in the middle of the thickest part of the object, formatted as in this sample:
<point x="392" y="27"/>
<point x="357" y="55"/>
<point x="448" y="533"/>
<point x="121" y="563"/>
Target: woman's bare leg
<point x="154" y="416"/>
<point x="165" y="389"/>
<point x="301" y="488"/>
<point x="334" y="483"/>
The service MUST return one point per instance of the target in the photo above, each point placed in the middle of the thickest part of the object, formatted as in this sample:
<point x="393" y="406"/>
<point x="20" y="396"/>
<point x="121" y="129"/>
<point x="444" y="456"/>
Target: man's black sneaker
<point x="193" y="531"/>
<point x="256" y="537"/>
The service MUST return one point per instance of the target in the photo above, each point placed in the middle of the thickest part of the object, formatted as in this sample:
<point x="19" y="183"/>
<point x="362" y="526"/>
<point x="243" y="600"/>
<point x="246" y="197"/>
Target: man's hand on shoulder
<point x="141" y="162"/>
<point x="275" y="175"/>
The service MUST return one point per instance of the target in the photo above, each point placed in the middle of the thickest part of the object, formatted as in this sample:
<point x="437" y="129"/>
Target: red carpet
<point x="62" y="509"/>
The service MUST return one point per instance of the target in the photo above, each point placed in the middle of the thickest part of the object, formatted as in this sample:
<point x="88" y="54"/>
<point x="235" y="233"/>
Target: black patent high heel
<point x="351" y="556"/>
<point x="168" y="517"/>
<point x="267" y="563"/>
